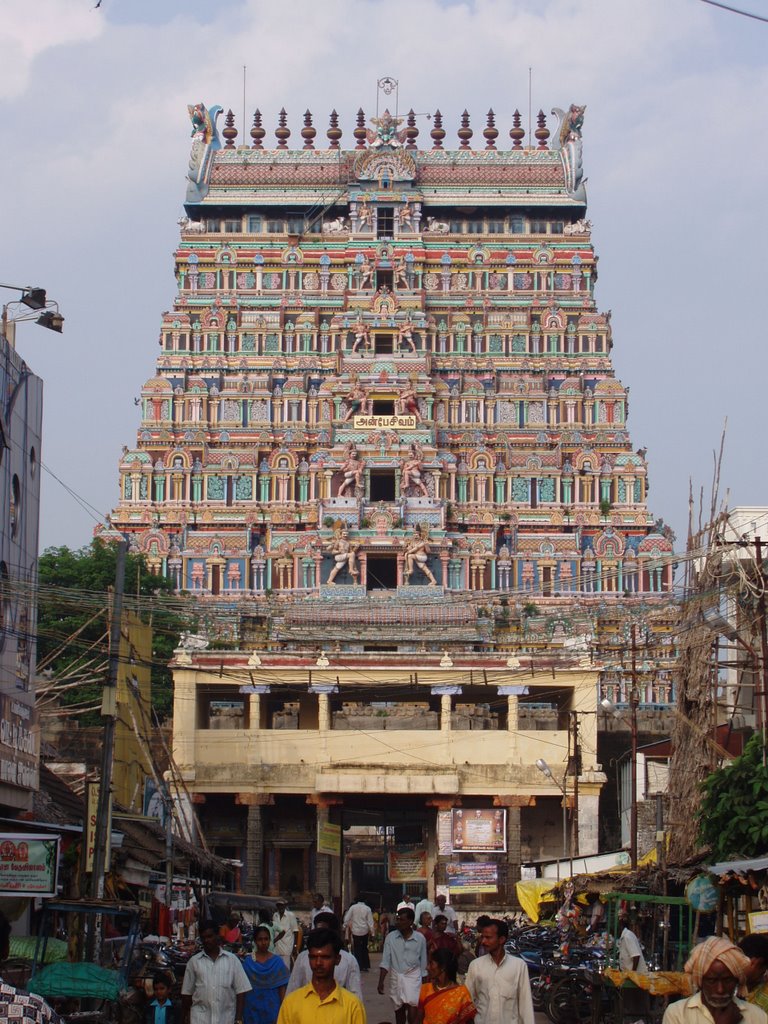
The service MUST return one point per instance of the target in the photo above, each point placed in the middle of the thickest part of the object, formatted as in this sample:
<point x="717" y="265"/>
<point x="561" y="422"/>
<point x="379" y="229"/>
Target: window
<point x="556" y="227"/>
<point x="495" y="227"/>
<point x="475" y="227"/>
<point x="295" y="225"/>
<point x="15" y="509"/>
<point x="212" y="225"/>
<point x="255" y="225"/>
<point x="599" y="343"/>
<point x="232" y="227"/>
<point x="538" y="227"/>
<point x="384" y="278"/>
<point x="383" y="344"/>
<point x="516" y="225"/>
<point x="456" y="227"/>
<point x="275" y="227"/>
<point x="385" y="222"/>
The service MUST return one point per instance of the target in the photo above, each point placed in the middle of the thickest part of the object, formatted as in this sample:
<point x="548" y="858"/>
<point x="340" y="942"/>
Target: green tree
<point x="733" y="816"/>
<point x="74" y="588"/>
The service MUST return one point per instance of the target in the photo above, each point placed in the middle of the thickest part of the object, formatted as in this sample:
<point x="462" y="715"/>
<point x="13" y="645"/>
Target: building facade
<point x="385" y="447"/>
<point x="20" y="443"/>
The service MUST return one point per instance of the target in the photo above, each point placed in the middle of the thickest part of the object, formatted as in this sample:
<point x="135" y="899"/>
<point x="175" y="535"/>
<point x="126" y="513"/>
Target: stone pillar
<point x="446" y="695"/>
<point x="513" y="850"/>
<point x="253" y="875"/>
<point x="323" y="716"/>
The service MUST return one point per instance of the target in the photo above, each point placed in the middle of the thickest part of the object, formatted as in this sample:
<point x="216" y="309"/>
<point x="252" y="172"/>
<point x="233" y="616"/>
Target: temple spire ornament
<point x="282" y="132"/>
<point x="542" y="132"/>
<point x="334" y="132"/>
<point x="437" y="132"/>
<point x="517" y="132"/>
<point x="258" y="131"/>
<point x="465" y="132"/>
<point x="360" y="132"/>
<point x="229" y="132"/>
<point x="308" y="132"/>
<point x="490" y="132"/>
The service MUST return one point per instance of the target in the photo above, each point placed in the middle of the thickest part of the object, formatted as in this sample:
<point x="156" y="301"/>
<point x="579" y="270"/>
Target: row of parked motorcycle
<point x="563" y="976"/>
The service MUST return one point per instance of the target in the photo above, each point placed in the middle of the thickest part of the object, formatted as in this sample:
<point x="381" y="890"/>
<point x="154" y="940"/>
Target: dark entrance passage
<point x="383" y="485"/>
<point x="383" y="407"/>
<point x="383" y="344"/>
<point x="382" y="572"/>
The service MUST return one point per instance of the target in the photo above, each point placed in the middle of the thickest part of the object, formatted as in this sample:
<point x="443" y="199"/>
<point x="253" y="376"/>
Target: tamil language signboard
<point x="29" y="864"/>
<point x="384" y="422"/>
<point x="407" y="865"/>
<point x="479" y="830"/>
<point x="468" y="877"/>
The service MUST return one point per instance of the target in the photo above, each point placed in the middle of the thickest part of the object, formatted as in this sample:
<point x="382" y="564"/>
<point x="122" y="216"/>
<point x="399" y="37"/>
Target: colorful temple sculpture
<point x="385" y="422"/>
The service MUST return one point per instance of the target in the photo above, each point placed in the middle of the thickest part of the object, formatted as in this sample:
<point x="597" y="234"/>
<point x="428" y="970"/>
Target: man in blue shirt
<point x="404" y="959"/>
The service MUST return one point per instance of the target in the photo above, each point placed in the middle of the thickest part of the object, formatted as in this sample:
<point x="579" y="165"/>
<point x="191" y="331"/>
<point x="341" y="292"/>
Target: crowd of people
<point x="427" y="971"/>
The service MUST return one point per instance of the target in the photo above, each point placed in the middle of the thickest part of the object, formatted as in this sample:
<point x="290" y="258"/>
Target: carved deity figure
<point x="406" y="214"/>
<point x="344" y="555"/>
<point x="408" y="403"/>
<point x="405" y="334"/>
<point x="362" y="338"/>
<point x="365" y="215"/>
<point x="352" y="468"/>
<point x="417" y="554"/>
<point x="365" y="272"/>
<point x="357" y="400"/>
<point x="386" y="133"/>
<point x="412" y="472"/>
<point x="400" y="270"/>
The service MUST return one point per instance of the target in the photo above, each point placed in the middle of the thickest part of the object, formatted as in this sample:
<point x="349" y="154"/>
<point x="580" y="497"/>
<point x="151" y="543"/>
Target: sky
<point x="93" y="104"/>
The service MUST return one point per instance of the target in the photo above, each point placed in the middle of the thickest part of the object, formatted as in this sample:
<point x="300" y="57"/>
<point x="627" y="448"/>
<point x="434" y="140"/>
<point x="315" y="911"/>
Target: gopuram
<point x="385" y="436"/>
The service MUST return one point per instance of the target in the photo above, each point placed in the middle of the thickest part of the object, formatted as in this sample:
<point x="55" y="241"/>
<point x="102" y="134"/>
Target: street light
<point x="36" y="302"/>
<point x="545" y="770"/>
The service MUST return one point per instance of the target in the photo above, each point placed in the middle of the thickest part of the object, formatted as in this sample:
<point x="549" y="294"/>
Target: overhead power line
<point x="736" y="10"/>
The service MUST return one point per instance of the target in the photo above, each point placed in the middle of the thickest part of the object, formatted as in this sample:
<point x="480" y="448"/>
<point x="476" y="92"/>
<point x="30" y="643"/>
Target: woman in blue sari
<point x="268" y="976"/>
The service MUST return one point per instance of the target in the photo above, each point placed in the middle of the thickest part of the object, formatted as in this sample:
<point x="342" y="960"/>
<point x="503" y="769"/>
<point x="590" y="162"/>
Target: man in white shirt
<point x="346" y="972"/>
<point x="630" y="951"/>
<point x="441" y="907"/>
<point x="498" y="983"/>
<point x="286" y="929"/>
<point x="214" y="986"/>
<point x="319" y="906"/>
<point x="358" y="922"/>
<point x="404" y="959"/>
<point x="406" y="901"/>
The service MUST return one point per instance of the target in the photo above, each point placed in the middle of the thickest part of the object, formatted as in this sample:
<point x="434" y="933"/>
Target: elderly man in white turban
<point x="718" y="971"/>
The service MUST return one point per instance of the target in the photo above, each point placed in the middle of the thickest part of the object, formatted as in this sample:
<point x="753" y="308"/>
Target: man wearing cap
<point x="286" y="929"/>
<point x="718" y="969"/>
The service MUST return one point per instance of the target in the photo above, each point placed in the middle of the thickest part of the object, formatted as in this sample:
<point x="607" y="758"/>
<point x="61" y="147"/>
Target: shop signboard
<point x="19" y="744"/>
<point x="29" y="864"/>
<point x="479" y="830"/>
<point x="466" y="877"/>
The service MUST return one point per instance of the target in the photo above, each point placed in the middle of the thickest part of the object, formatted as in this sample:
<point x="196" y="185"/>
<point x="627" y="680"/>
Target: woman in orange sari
<point x="442" y="1000"/>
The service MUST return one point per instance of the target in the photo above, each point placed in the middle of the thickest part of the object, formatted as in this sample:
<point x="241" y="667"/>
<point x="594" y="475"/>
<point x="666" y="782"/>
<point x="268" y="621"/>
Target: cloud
<point x="30" y="30"/>
<point x="673" y="149"/>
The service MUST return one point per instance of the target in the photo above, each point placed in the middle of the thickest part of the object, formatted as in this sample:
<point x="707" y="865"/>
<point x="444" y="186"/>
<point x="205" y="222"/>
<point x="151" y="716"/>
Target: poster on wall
<point x="479" y="830"/>
<point x="468" y="877"/>
<point x="407" y="865"/>
<point x="29" y="864"/>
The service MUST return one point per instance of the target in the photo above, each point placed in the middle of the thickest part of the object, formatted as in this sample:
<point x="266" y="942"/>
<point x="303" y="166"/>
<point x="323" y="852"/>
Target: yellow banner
<point x="329" y="839"/>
